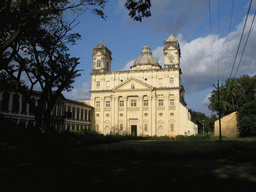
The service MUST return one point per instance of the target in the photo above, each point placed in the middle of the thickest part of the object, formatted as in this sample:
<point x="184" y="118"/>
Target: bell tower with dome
<point x="147" y="100"/>
<point x="101" y="58"/>
<point x="171" y="53"/>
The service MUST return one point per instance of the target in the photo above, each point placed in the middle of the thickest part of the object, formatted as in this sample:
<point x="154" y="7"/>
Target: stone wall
<point x="228" y="126"/>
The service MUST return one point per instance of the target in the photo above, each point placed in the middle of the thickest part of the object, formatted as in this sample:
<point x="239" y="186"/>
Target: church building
<point x="147" y="100"/>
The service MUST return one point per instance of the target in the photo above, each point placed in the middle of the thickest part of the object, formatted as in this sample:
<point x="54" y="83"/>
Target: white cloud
<point x="159" y="55"/>
<point x="79" y="93"/>
<point x="206" y="101"/>
<point x="128" y="65"/>
<point x="202" y="64"/>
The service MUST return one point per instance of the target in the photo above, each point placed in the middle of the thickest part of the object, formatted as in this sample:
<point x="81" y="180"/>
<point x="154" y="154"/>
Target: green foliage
<point x="234" y="94"/>
<point x="34" y="39"/>
<point x="138" y="9"/>
<point x="200" y="119"/>
<point x="247" y="119"/>
<point x="238" y="94"/>
<point x="193" y="138"/>
<point x="155" y="138"/>
<point x="221" y="105"/>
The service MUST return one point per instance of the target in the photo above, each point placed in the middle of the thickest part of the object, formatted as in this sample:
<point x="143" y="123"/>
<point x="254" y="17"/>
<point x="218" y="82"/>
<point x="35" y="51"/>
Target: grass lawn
<point x="142" y="166"/>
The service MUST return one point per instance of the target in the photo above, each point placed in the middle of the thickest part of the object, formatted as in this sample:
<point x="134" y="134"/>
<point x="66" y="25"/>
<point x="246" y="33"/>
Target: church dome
<point x="146" y="58"/>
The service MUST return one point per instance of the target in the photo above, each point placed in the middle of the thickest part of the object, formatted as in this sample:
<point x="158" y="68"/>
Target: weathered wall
<point x="228" y="126"/>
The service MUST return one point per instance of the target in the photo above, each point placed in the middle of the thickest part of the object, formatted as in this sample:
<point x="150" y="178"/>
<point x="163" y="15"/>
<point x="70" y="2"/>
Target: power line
<point x="210" y="34"/>
<point x="218" y="42"/>
<point x="245" y="43"/>
<point x="232" y="10"/>
<point x="241" y="38"/>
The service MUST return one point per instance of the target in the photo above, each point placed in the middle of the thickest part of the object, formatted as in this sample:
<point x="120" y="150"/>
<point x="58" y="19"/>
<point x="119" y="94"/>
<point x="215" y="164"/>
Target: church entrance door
<point x="134" y="130"/>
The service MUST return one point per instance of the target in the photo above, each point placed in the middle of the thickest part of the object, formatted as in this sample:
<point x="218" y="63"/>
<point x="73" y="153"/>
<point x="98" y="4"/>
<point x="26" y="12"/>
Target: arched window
<point x="97" y="127"/>
<point x="82" y="114"/>
<point x="85" y="115"/>
<point x="145" y="127"/>
<point x="172" y="127"/>
<point x="32" y="107"/>
<point x="121" y="127"/>
<point x="16" y="103"/>
<point x="5" y="101"/>
<point x="54" y="110"/>
<point x="89" y="115"/>
<point x="107" y="130"/>
<point x="77" y="115"/>
<point x="24" y="106"/>
<point x="63" y="109"/>
<point x="73" y="113"/>
<point x="69" y="115"/>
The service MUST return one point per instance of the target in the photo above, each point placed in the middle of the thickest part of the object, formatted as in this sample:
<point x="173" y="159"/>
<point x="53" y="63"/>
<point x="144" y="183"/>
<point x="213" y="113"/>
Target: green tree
<point x="20" y="20"/>
<point x="247" y="88"/>
<point x="247" y="119"/>
<point x="232" y="89"/>
<point x="45" y="61"/>
<point x="219" y="102"/>
<point x="200" y="119"/>
<point x="33" y="42"/>
<point x="35" y="45"/>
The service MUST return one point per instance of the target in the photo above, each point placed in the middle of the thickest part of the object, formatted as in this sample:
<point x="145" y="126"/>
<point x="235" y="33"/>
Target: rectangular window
<point x="107" y="84"/>
<point x="132" y="86"/>
<point x="171" y="80"/>
<point x="98" y="83"/>
<point x="172" y="102"/>
<point x="97" y="104"/>
<point x="133" y="103"/>
<point x="160" y="102"/>
<point x="160" y="81"/>
<point x="107" y="103"/>
<point x="145" y="103"/>
<point x="121" y="103"/>
<point x="98" y="63"/>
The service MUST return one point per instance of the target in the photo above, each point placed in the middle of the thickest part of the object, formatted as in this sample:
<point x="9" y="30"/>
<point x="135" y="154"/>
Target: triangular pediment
<point x="127" y="85"/>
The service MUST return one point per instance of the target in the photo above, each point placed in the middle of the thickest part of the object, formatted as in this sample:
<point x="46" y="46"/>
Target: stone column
<point x="154" y="115"/>
<point x="101" y="124"/>
<point x="10" y="103"/>
<point x="166" y="114"/>
<point x="116" y="124"/>
<point x="141" y="115"/>
<point x="150" y="114"/>
<point x="20" y="103"/>
<point x="125" y="128"/>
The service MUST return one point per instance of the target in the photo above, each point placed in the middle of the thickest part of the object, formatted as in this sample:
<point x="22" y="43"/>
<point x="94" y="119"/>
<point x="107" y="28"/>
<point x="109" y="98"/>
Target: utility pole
<point x="218" y="87"/>
<point x="203" y="125"/>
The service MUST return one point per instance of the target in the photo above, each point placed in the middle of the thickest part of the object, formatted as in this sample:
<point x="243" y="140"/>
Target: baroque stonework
<point x="141" y="101"/>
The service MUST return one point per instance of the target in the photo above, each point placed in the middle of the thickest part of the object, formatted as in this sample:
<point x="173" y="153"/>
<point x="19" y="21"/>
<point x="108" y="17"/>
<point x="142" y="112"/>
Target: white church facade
<point x="147" y="100"/>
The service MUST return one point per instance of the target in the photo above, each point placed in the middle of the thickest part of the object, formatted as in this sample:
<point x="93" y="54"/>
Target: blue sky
<point x="204" y="57"/>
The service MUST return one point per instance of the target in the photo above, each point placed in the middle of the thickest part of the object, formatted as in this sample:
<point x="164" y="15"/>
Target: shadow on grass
<point x="69" y="162"/>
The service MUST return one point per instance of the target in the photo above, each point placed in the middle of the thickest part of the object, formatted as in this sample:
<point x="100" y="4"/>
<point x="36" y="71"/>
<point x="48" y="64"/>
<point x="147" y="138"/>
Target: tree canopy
<point x="237" y="95"/>
<point x="201" y="120"/>
<point x="34" y="39"/>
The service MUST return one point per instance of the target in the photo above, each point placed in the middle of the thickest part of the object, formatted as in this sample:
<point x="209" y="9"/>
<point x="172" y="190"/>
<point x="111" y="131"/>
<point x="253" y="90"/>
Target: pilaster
<point x="125" y="115"/>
